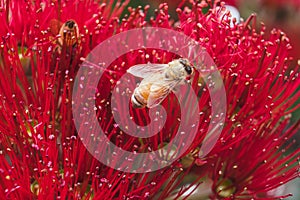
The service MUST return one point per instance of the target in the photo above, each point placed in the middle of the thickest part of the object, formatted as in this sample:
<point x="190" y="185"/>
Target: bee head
<point x="70" y="24"/>
<point x="187" y="66"/>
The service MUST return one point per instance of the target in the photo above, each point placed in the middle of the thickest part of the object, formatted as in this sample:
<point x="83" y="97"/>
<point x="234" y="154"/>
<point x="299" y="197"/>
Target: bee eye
<point x="70" y="24"/>
<point x="188" y="69"/>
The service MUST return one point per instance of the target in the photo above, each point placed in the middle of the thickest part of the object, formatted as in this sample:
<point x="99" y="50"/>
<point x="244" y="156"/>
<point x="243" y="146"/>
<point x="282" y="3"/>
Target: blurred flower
<point x="294" y="3"/>
<point x="284" y="15"/>
<point x="42" y="156"/>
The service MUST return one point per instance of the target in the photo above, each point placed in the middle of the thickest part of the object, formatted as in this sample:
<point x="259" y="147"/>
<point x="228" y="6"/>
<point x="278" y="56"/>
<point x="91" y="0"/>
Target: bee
<point x="158" y="81"/>
<point x="69" y="34"/>
<point x="67" y="45"/>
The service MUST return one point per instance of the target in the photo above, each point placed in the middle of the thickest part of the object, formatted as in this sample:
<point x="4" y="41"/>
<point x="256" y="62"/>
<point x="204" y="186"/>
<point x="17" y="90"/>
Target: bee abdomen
<point x="140" y="96"/>
<point x="136" y="103"/>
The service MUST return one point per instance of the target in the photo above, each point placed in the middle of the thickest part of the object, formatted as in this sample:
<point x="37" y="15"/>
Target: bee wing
<point x="159" y="91"/>
<point x="147" y="70"/>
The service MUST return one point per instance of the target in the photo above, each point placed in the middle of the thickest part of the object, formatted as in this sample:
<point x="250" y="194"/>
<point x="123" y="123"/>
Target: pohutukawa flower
<point x="42" y="46"/>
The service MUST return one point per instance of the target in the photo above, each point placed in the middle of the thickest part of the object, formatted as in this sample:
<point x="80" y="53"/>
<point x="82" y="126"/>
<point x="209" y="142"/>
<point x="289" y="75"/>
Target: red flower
<point x="42" y="155"/>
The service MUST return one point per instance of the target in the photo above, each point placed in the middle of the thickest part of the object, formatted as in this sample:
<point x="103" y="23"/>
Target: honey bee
<point x="66" y="45"/>
<point x="158" y="81"/>
<point x="69" y="34"/>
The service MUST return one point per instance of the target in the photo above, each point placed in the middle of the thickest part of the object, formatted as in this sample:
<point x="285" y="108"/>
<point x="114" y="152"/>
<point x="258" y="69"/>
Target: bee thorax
<point x="174" y="74"/>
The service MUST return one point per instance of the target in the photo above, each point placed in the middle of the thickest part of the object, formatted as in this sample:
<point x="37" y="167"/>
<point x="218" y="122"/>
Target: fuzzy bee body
<point x="158" y="81"/>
